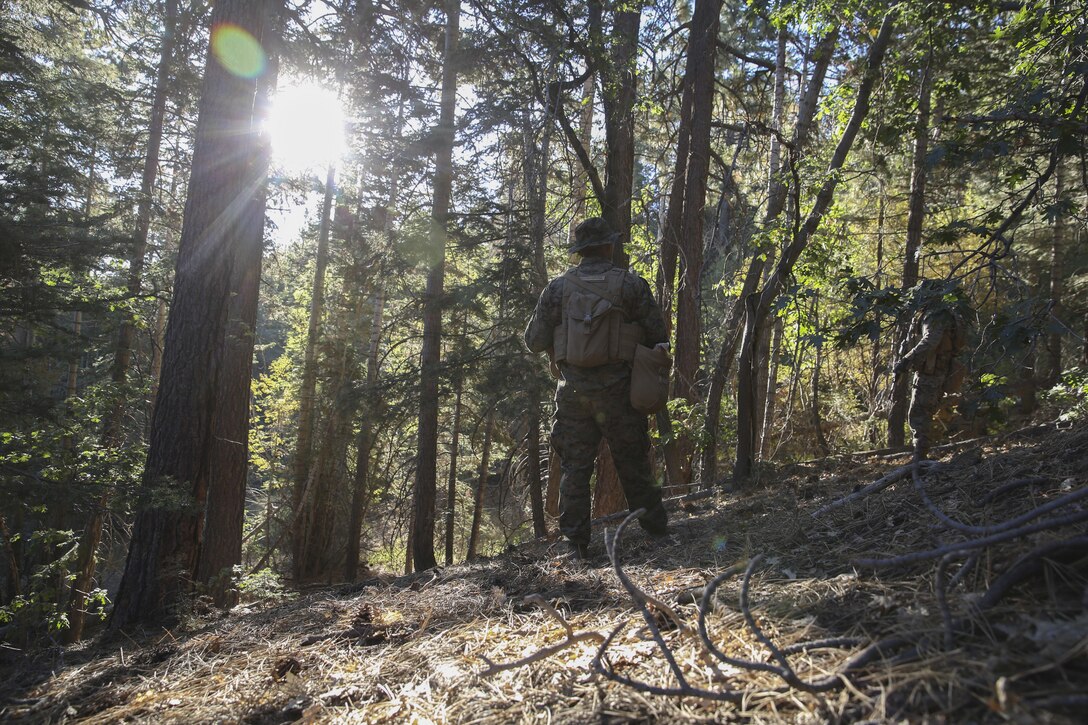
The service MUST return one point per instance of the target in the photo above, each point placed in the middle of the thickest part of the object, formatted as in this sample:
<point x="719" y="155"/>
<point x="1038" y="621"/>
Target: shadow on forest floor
<point x="392" y="650"/>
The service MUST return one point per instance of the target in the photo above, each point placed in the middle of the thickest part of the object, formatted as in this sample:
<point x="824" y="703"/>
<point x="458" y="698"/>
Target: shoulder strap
<point x="607" y="292"/>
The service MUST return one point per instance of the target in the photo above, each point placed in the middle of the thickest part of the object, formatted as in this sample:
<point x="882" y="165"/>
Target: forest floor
<point x="1001" y="636"/>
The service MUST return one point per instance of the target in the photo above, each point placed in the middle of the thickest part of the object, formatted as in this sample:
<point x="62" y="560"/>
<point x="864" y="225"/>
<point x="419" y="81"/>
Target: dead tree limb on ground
<point x="544" y="652"/>
<point x="896" y="474"/>
<point x="1008" y="525"/>
<point x="782" y="669"/>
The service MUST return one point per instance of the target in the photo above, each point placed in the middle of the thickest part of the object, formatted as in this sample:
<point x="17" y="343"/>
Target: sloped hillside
<point x="955" y="595"/>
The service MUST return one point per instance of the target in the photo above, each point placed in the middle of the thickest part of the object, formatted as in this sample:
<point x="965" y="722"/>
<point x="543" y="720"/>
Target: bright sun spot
<point x="307" y="127"/>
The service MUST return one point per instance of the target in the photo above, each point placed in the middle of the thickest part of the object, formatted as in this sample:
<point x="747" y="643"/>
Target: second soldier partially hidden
<point x="589" y="320"/>
<point x="939" y="334"/>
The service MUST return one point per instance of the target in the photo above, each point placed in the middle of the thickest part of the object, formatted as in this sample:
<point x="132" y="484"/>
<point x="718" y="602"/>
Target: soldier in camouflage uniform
<point x="595" y="401"/>
<point x="940" y="331"/>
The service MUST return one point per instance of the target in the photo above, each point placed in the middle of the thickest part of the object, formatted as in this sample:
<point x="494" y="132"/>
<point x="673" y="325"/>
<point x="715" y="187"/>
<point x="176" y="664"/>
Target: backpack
<point x="592" y="331"/>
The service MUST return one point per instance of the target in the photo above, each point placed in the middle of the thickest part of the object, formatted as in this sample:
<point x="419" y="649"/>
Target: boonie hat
<point x="593" y="232"/>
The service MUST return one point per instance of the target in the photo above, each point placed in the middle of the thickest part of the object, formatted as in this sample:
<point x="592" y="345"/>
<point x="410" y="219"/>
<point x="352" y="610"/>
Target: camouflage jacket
<point x="939" y="342"/>
<point x="639" y="306"/>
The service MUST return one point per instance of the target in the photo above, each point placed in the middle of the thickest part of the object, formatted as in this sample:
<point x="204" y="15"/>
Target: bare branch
<point x="544" y="652"/>
<point x="882" y="483"/>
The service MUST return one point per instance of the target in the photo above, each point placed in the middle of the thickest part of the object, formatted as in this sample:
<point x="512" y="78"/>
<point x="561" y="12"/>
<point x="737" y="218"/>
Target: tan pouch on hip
<point x="650" y="379"/>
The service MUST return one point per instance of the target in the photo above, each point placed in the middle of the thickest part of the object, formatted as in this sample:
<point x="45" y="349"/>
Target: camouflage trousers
<point x="925" y="403"/>
<point x="581" y="419"/>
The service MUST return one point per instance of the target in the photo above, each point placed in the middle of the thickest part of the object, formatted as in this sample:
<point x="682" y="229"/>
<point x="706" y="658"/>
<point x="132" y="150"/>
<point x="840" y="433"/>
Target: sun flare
<point x="307" y="128"/>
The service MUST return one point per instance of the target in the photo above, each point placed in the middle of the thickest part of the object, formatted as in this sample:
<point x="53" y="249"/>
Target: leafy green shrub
<point x="263" y="585"/>
<point x="1069" y="398"/>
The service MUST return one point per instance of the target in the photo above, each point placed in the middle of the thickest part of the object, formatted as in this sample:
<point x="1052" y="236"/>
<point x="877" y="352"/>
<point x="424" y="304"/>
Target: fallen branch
<point x="882" y="483"/>
<point x="641" y="599"/>
<point x="917" y="556"/>
<point x="783" y="668"/>
<point x="544" y="652"/>
<point x="1028" y="565"/>
<point x="1012" y="486"/>
<point x="996" y="528"/>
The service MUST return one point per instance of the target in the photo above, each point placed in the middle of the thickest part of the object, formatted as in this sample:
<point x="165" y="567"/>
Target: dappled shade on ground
<point x="398" y="649"/>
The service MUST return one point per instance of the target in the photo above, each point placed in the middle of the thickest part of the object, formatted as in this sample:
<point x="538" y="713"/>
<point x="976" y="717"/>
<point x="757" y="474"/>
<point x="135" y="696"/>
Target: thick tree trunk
<point x="912" y="254"/>
<point x="221" y="549"/>
<point x="426" y="472"/>
<point x="305" y="557"/>
<point x="758" y="306"/>
<point x="165" y="538"/>
<point x="699" y="76"/>
<point x="619" y="89"/>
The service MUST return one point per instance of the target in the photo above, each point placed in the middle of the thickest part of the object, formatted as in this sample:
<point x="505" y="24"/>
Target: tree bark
<point x="912" y="254"/>
<point x="619" y="89"/>
<point x="817" y="418"/>
<point x="304" y="561"/>
<point x="1052" y="371"/>
<point x="165" y="539"/>
<point x="771" y="390"/>
<point x="451" y="481"/>
<point x="699" y="76"/>
<point x="481" y="486"/>
<point x="426" y="472"/>
<point x="221" y="549"/>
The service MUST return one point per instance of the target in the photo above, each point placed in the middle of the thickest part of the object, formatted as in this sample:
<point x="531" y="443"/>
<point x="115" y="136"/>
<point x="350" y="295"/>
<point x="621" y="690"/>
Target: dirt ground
<point x="957" y="597"/>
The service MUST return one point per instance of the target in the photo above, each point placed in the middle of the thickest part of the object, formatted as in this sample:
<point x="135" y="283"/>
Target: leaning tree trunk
<point x="916" y="210"/>
<point x="166" y="536"/>
<point x="422" y="533"/>
<point x="305" y="558"/>
<point x="759" y="305"/>
<point x="776" y="203"/>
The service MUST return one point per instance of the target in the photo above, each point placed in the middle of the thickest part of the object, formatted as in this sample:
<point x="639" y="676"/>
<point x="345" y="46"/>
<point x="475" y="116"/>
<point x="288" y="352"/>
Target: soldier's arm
<point x="932" y="331"/>
<point x="647" y="313"/>
<point x="539" y="333"/>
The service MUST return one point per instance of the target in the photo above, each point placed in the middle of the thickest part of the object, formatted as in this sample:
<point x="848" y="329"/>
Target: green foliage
<point x="264" y="585"/>
<point x="1069" y="398"/>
